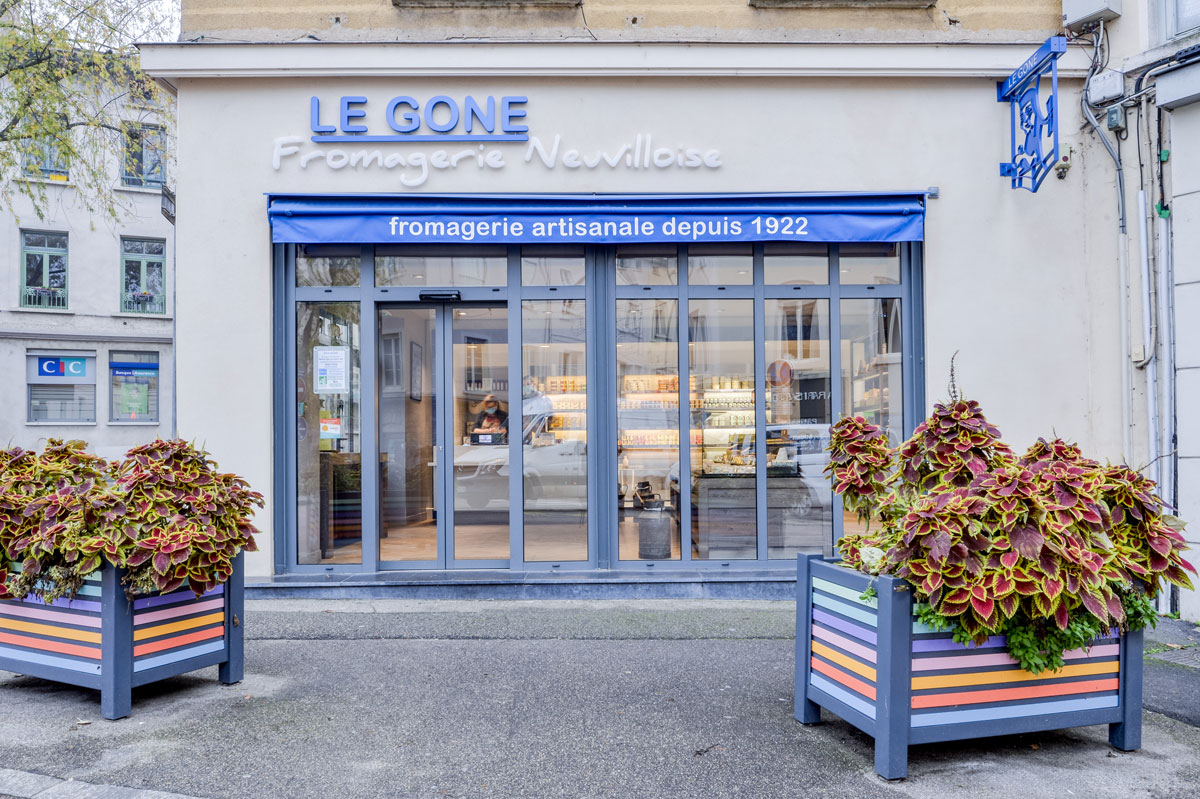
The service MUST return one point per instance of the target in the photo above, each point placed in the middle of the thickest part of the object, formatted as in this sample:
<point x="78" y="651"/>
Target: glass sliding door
<point x="328" y="440"/>
<point x="798" y="415"/>
<point x="478" y="417"/>
<point x="409" y="481"/>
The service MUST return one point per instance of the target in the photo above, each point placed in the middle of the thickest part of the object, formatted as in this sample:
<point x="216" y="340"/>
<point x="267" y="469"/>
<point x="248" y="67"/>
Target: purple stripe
<point x="77" y="604"/>
<point x="21" y="611"/>
<point x="177" y="611"/>
<point x="828" y="619"/>
<point x="178" y="596"/>
<point x="948" y="644"/>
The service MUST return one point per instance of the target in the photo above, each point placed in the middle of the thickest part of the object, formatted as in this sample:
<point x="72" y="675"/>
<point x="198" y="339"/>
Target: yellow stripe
<point x="174" y="627"/>
<point x="50" y="629"/>
<point x="1012" y="675"/>
<point x="843" y="661"/>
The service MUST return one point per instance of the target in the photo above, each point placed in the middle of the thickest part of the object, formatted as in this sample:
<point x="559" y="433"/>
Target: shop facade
<point x="513" y="312"/>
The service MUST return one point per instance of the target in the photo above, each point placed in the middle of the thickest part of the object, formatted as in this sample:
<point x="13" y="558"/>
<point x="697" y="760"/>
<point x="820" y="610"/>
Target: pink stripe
<point x="25" y="612"/>
<point x="1001" y="659"/>
<point x="863" y="652"/>
<point x="172" y="613"/>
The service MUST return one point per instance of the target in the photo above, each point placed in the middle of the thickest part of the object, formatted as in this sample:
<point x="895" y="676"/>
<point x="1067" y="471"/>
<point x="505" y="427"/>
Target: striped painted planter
<point x="875" y="665"/>
<point x="104" y="641"/>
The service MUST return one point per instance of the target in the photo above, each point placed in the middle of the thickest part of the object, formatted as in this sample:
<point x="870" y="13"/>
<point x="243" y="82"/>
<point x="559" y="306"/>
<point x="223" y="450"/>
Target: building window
<point x="391" y="358"/>
<point x="1183" y="16"/>
<point x="145" y="156"/>
<point x="134" y="381"/>
<point x="45" y="160"/>
<point x="62" y="387"/>
<point x="44" y="278"/>
<point x="143" y="287"/>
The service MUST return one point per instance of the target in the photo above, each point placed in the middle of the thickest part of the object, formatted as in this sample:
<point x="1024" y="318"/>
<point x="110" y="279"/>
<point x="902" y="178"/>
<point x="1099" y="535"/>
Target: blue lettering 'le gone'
<point x="440" y="116"/>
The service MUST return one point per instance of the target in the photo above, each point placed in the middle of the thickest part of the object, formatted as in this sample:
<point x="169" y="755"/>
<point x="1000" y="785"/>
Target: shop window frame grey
<point x="600" y="293"/>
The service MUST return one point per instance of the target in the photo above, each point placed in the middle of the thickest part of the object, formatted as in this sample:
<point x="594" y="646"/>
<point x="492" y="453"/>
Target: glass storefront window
<point x="872" y="384"/>
<point x="552" y="266"/>
<point x="554" y="429"/>
<point x="647" y="265"/>
<point x="441" y="266"/>
<point x="720" y="264"/>
<point x="328" y="439"/>
<point x="795" y="264"/>
<point x="799" y="406"/>
<point x="648" y="429"/>
<point x="133" y="392"/>
<point x="328" y="264"/>
<point x="876" y="264"/>
<point x="721" y="394"/>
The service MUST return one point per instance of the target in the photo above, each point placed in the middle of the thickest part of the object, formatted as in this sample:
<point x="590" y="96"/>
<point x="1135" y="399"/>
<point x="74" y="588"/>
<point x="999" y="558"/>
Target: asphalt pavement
<point x="655" y="698"/>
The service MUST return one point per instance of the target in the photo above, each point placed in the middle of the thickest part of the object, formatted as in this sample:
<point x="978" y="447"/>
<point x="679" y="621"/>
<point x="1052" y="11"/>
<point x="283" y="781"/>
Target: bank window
<point x="44" y="276"/>
<point x="134" y="386"/>
<point x="143" y="265"/>
<point x="61" y="387"/>
<point x="552" y="266"/>
<point x="145" y="156"/>
<point x="45" y="160"/>
<point x="463" y="267"/>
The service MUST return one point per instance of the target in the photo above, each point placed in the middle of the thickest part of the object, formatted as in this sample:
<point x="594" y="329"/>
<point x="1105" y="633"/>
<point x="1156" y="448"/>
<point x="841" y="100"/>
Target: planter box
<point x="873" y="664"/>
<point x="104" y="641"/>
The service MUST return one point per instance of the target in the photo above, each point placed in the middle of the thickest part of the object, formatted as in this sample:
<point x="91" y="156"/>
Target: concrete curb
<point x="27" y="785"/>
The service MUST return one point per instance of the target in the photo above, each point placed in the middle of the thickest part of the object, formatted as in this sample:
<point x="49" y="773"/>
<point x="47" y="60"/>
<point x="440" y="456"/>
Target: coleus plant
<point x="164" y="513"/>
<point x="1049" y="548"/>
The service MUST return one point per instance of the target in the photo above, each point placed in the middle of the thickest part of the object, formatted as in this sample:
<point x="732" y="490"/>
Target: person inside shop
<point x="491" y="418"/>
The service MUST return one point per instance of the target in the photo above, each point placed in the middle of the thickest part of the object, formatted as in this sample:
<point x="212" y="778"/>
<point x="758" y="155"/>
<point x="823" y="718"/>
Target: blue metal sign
<point x="1034" y="130"/>
<point x="592" y="220"/>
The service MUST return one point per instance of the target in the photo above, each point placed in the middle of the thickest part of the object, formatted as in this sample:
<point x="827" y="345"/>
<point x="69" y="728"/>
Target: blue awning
<point x="594" y="218"/>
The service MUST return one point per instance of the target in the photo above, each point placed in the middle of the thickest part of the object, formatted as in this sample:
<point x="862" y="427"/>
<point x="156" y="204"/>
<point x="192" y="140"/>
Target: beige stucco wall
<point x="606" y="20"/>
<point x="1024" y="286"/>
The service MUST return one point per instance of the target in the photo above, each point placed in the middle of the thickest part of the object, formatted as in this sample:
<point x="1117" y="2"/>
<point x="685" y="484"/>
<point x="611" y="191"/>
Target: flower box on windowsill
<point x="105" y="641"/>
<point x="874" y="665"/>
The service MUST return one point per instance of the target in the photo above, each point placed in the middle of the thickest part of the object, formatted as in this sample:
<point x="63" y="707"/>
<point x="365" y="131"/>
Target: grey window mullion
<point x="835" y="372"/>
<point x="333" y="294"/>
<point x="872" y="292"/>
<point x="760" y="405"/>
<point x="516" y="454"/>
<point x="792" y="292"/>
<point x="720" y="293"/>
<point x="593" y="311"/>
<point x="368" y="404"/>
<point x="443" y="382"/>
<point x="684" y="450"/>
<point x="287" y="398"/>
<point x="605" y="443"/>
<point x="913" y="315"/>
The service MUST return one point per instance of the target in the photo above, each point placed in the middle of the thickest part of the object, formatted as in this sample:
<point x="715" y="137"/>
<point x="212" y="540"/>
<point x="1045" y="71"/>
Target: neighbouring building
<point x="86" y="328"/>
<point x="561" y="298"/>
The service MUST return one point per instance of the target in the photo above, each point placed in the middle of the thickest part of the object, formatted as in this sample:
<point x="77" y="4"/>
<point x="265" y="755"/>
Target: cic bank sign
<point x="355" y="133"/>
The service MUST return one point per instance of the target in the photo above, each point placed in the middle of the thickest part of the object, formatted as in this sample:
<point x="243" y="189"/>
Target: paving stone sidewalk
<point x="27" y="785"/>
<point x="535" y="699"/>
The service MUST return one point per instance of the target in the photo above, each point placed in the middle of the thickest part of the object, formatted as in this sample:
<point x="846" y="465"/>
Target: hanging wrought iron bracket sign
<point x="1034" y="128"/>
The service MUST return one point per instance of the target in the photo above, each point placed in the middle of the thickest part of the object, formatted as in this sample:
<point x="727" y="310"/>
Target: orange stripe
<point x="1015" y="674"/>
<point x="853" y="683"/>
<point x="171" y="643"/>
<point x="92" y="652"/>
<point x="848" y="663"/>
<point x="1007" y="694"/>
<point x="86" y="636"/>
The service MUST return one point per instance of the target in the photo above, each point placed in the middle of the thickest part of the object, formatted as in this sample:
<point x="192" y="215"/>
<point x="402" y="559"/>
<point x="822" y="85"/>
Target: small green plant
<point x="869" y="594"/>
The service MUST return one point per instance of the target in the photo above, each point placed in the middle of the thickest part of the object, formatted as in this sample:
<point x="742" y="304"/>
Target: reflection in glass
<point x="871" y="369"/>
<point x="328" y="264"/>
<point x="799" y="404"/>
<point x="552" y="266"/>
<point x="721" y="392"/>
<point x="554" y="421"/>
<point x="407" y="438"/>
<point x="795" y="264"/>
<point x="720" y="264"/>
<point x="479" y="431"/>
<point x="441" y="266"/>
<point x="647" y="265"/>
<point x="869" y="263"/>
<point x="648" y="429"/>
<point x="328" y="441"/>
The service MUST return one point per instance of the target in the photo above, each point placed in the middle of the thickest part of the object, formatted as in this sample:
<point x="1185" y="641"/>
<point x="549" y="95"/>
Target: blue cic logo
<point x="438" y="119"/>
<point x="62" y="367"/>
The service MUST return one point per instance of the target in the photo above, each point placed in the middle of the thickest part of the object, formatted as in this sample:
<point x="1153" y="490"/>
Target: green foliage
<point x="69" y="79"/>
<point x="869" y="594"/>
<point x="1049" y="544"/>
<point x="931" y="618"/>
<point x="164" y="513"/>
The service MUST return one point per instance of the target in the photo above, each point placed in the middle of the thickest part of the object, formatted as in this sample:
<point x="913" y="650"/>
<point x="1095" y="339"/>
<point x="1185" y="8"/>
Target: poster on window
<point x="133" y="401"/>
<point x="331" y="366"/>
